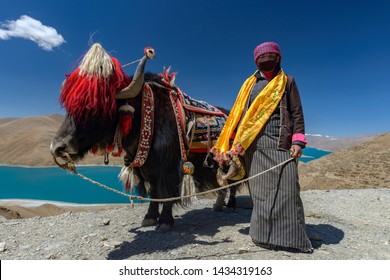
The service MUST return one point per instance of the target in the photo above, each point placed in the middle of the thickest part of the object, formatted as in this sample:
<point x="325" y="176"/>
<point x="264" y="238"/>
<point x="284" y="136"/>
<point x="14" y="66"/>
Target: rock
<point x="112" y="244"/>
<point x="243" y="251"/>
<point x="106" y="222"/>
<point x="2" y="247"/>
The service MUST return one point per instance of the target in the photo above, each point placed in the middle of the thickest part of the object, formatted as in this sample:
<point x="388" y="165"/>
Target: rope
<point x="70" y="166"/>
<point x="135" y="61"/>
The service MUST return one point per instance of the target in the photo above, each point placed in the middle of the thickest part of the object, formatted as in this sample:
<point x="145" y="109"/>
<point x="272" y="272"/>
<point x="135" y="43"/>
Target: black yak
<point x="107" y="111"/>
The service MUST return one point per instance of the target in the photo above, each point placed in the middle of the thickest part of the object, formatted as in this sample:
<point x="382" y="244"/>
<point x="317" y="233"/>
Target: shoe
<point x="281" y="248"/>
<point x="265" y="245"/>
<point x="308" y="251"/>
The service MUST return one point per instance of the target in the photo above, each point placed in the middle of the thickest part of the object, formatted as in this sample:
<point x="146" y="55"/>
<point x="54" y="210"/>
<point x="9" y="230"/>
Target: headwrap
<point x="266" y="48"/>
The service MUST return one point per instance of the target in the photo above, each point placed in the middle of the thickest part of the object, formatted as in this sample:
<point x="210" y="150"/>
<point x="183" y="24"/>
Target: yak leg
<point x="231" y="205"/>
<point x="220" y="202"/>
<point x="165" y="220"/>
<point x="152" y="215"/>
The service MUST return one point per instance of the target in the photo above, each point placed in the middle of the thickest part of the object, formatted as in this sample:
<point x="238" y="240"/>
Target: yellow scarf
<point x="254" y="119"/>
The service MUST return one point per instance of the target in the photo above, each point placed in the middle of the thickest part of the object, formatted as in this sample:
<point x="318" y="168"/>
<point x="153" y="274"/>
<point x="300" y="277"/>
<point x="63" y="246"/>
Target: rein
<point x="70" y="166"/>
<point x="132" y="62"/>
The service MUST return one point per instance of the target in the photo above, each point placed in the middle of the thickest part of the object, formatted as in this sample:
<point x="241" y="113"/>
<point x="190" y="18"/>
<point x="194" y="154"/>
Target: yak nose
<point x="57" y="148"/>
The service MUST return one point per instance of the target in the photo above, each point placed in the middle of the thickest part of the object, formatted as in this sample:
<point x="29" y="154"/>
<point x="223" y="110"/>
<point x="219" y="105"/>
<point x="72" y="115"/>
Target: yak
<point x="100" y="103"/>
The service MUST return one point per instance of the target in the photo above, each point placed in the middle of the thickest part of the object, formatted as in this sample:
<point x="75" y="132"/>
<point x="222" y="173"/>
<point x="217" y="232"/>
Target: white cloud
<point x="31" y="29"/>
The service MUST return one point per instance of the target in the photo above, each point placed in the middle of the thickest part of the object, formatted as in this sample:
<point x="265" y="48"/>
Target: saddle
<point x="203" y="124"/>
<point x="199" y="123"/>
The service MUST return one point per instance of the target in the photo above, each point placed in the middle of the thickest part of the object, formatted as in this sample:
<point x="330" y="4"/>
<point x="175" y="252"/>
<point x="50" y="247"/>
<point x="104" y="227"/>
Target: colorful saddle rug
<point x="204" y="123"/>
<point x="205" y="132"/>
<point x="197" y="106"/>
<point x="199" y="123"/>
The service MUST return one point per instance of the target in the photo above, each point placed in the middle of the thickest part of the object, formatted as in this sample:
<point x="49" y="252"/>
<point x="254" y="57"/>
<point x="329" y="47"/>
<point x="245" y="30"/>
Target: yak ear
<point x="136" y="84"/>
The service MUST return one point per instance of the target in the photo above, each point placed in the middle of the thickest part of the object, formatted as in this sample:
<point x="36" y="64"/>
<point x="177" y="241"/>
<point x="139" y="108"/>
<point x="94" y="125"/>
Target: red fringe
<point x="94" y="150"/>
<point x="126" y="121"/>
<point x="128" y="187"/>
<point x="86" y="96"/>
<point x="117" y="153"/>
<point x="110" y="148"/>
<point x="167" y="77"/>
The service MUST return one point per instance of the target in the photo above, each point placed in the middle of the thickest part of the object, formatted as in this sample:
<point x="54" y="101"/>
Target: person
<point x="265" y="128"/>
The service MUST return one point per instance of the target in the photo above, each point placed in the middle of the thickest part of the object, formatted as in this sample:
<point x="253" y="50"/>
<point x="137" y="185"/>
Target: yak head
<point x="90" y="96"/>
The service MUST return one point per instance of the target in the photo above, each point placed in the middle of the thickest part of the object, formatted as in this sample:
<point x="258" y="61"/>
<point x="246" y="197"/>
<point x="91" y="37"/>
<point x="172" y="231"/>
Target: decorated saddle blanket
<point x="204" y="123"/>
<point x="201" y="107"/>
<point x="206" y="128"/>
<point x="199" y="123"/>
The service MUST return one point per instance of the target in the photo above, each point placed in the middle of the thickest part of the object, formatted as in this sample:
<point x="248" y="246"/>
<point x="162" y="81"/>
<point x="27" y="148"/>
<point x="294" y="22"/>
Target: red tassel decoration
<point x="126" y="119"/>
<point x="89" y="92"/>
<point x="117" y="153"/>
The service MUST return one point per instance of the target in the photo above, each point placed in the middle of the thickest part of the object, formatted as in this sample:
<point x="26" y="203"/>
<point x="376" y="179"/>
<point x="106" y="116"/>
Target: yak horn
<point x="136" y="84"/>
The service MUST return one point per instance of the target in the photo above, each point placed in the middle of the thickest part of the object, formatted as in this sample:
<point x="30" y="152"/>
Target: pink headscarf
<point x="265" y="48"/>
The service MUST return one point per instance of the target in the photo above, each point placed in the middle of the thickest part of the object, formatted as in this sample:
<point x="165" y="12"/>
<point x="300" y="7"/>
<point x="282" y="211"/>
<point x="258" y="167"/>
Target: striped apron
<point x="277" y="216"/>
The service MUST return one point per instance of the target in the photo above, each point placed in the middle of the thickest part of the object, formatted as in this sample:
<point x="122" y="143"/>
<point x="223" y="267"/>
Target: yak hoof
<point x="230" y="209"/>
<point x="218" y="207"/>
<point x="149" y="222"/>
<point x="219" y="203"/>
<point x="162" y="228"/>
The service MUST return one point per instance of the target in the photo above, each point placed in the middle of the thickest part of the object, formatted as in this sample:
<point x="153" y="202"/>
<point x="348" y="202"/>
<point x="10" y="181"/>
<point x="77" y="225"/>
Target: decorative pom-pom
<point x="188" y="168"/>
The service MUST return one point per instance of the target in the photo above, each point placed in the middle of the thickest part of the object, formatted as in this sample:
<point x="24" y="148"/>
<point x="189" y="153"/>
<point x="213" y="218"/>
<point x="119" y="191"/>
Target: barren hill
<point x="362" y="166"/>
<point x="334" y="144"/>
<point x="26" y="141"/>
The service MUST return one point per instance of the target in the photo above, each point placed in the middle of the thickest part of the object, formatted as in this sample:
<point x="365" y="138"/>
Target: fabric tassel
<point x="97" y="151"/>
<point x="94" y="150"/>
<point x="128" y="178"/>
<point x="188" y="183"/>
<point x="89" y="91"/>
<point x="117" y="152"/>
<point x="126" y="119"/>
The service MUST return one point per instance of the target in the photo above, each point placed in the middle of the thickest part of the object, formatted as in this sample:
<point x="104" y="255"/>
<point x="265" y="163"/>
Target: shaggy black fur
<point x="163" y="168"/>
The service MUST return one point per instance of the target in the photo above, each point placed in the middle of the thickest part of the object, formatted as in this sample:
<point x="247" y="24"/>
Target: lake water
<point x="55" y="184"/>
<point x="310" y="154"/>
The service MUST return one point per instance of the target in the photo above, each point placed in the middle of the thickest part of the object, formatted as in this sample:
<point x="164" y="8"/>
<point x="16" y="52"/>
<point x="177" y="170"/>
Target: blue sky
<point x="338" y="52"/>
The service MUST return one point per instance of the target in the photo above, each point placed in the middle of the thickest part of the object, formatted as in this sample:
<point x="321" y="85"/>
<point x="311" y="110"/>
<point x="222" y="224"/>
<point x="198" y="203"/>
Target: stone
<point x="2" y="247"/>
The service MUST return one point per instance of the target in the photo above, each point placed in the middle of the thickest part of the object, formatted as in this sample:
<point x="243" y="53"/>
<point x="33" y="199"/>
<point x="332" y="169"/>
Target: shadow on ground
<point x="198" y="228"/>
<point x="324" y="234"/>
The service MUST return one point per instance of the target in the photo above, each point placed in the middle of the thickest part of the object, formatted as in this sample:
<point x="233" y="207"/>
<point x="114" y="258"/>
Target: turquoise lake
<point x="54" y="184"/>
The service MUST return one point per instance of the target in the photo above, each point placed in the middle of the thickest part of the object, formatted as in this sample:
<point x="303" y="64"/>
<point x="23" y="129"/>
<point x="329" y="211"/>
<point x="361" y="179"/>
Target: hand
<point x="296" y="151"/>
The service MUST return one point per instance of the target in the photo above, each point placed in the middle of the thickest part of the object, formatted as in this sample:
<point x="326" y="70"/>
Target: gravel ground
<point x="342" y="224"/>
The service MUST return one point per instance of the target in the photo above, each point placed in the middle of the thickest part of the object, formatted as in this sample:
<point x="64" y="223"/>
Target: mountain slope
<point x="26" y="141"/>
<point x="361" y="166"/>
<point x="334" y="144"/>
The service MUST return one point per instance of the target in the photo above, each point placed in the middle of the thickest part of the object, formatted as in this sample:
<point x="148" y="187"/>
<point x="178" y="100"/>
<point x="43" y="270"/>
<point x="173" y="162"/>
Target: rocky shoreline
<point x="346" y="224"/>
